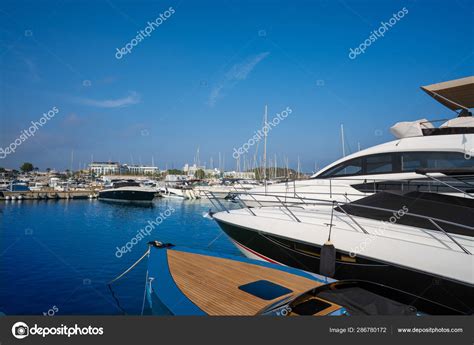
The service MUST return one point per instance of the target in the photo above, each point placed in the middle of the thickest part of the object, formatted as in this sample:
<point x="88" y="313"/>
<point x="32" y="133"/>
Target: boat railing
<point x="459" y="184"/>
<point x="465" y="192"/>
<point x="334" y="204"/>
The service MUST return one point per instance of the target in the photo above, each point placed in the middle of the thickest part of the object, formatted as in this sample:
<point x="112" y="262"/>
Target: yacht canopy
<point x="454" y="94"/>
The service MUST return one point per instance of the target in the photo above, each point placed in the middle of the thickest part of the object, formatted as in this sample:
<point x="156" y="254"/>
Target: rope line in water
<point x="144" y="293"/>
<point x="130" y="268"/>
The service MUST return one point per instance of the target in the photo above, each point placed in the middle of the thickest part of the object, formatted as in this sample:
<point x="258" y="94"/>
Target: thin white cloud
<point x="235" y="74"/>
<point x="132" y="98"/>
<point x="30" y="64"/>
<point x="33" y="70"/>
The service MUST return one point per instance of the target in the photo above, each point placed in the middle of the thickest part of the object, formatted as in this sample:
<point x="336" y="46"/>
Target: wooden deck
<point x="212" y="283"/>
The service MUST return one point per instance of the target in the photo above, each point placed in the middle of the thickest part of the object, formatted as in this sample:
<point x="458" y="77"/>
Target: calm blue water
<point x="62" y="253"/>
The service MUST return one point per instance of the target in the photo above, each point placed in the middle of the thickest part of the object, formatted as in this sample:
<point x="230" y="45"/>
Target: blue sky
<point x="202" y="78"/>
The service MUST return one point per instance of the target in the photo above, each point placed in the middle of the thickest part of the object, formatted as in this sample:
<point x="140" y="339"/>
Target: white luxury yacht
<point x="399" y="214"/>
<point x="421" y="154"/>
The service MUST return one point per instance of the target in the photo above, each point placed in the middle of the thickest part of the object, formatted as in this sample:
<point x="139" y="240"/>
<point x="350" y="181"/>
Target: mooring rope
<point x="144" y="293"/>
<point x="130" y="268"/>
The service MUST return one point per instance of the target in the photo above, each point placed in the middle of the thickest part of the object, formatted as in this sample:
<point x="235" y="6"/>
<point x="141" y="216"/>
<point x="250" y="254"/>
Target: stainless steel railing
<point x="336" y="205"/>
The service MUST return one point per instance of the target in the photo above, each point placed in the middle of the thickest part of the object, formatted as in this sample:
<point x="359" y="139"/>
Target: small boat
<point x="182" y="281"/>
<point x="169" y="192"/>
<point x="178" y="192"/>
<point x="127" y="191"/>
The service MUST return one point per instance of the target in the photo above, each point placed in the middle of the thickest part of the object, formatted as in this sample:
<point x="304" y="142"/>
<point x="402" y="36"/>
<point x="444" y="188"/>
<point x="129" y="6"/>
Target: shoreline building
<point x="244" y="175"/>
<point x="115" y="168"/>
<point x="141" y="169"/>
<point x="191" y="170"/>
<point x="105" y="168"/>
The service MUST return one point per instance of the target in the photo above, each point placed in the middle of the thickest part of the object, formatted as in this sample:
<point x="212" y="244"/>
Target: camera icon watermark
<point x="20" y="330"/>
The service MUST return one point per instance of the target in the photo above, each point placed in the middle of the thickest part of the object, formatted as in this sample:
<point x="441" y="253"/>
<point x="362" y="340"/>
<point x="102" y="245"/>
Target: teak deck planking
<point x="212" y="283"/>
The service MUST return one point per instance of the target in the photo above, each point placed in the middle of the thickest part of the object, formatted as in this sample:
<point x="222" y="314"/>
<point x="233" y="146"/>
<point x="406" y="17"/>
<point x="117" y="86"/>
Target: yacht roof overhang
<point x="455" y="94"/>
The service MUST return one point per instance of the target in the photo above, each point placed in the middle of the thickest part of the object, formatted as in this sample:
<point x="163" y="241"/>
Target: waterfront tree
<point x="26" y="167"/>
<point x="200" y="174"/>
<point x="175" y="172"/>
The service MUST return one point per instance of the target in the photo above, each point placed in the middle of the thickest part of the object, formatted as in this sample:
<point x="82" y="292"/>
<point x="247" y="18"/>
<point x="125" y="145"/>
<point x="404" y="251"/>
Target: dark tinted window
<point x="379" y="164"/>
<point x="435" y="160"/>
<point x="352" y="167"/>
<point x="399" y="162"/>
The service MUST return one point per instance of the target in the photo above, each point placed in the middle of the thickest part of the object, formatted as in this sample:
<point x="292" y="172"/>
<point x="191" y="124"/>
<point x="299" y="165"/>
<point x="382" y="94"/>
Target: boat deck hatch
<point x="265" y="289"/>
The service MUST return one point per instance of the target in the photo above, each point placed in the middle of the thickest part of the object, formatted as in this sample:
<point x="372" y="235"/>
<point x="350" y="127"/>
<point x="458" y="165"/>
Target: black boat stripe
<point x="365" y="257"/>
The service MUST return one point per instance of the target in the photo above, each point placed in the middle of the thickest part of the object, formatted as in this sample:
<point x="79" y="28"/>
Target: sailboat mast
<point x="265" y="145"/>
<point x="265" y="150"/>
<point x="342" y="141"/>
<point x="72" y="159"/>
<point x="298" y="168"/>
<point x="275" y="174"/>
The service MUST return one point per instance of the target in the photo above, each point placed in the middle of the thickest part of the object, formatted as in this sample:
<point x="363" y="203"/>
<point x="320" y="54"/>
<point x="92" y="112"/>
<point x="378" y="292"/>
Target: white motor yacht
<point x="418" y="154"/>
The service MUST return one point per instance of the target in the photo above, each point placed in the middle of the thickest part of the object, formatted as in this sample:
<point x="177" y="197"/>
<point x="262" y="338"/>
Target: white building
<point x="191" y="170"/>
<point x="245" y="175"/>
<point x="175" y="178"/>
<point x="105" y="168"/>
<point x="142" y="170"/>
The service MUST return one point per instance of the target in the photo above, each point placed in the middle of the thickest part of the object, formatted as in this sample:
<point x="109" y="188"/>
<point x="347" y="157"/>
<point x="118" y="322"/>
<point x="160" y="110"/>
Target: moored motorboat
<point x="418" y="242"/>
<point x="418" y="145"/>
<point x="127" y="191"/>
<point x="183" y="281"/>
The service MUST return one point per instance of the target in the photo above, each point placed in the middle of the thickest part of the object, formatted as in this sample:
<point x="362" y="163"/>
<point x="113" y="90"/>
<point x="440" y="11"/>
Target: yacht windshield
<point x="399" y="162"/>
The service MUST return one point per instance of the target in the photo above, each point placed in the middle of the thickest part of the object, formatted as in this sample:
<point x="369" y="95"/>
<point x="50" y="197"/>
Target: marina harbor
<point x="333" y="228"/>
<point x="237" y="173"/>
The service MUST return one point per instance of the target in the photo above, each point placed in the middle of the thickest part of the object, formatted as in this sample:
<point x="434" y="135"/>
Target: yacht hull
<point x="290" y="252"/>
<point x="127" y="196"/>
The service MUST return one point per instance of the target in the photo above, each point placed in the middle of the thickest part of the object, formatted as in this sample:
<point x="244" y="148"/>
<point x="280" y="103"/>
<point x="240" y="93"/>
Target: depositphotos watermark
<point x="28" y="133"/>
<point x="21" y="330"/>
<point x="146" y="32"/>
<point x="376" y="34"/>
<point x="365" y="243"/>
<point x="146" y="231"/>
<point x="51" y="311"/>
<point x="258" y="135"/>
